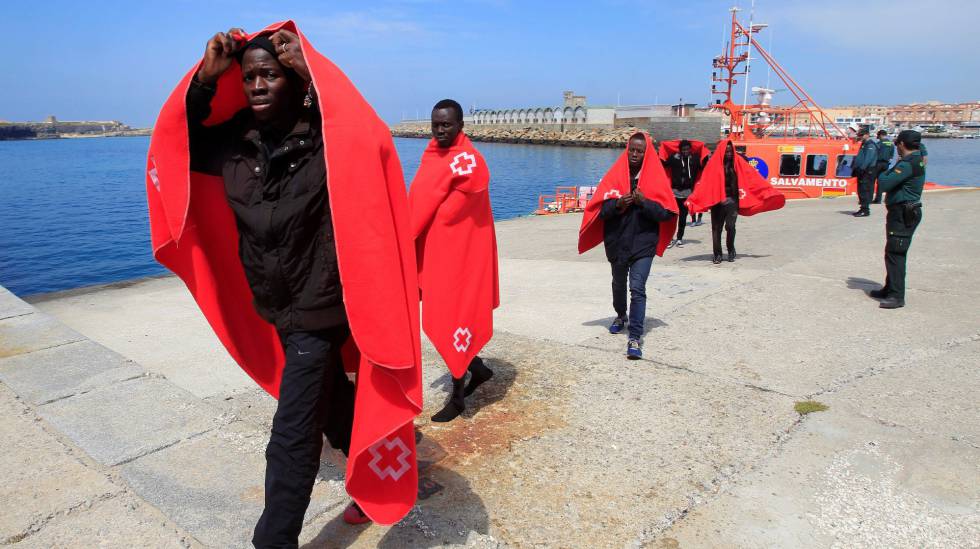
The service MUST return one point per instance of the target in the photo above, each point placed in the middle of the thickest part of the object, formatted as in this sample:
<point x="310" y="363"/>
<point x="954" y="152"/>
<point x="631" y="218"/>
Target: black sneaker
<point x="617" y="326"/>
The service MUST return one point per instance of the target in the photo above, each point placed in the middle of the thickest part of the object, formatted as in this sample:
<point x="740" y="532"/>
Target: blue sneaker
<point x="633" y="351"/>
<point x="617" y="326"/>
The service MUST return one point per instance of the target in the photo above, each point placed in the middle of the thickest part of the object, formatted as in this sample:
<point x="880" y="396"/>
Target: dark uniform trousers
<point x="723" y="216"/>
<point x="900" y="224"/>
<point x="315" y="399"/>
<point x="866" y="187"/>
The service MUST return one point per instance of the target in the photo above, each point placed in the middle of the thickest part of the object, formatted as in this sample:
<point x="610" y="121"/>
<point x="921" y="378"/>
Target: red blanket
<point x="193" y="233"/>
<point x="756" y="195"/>
<point x="457" y="250"/>
<point x="654" y="185"/>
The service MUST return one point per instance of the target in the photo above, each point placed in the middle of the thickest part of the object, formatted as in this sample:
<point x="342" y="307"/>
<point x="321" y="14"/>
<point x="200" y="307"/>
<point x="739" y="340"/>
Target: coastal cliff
<point x="55" y="129"/>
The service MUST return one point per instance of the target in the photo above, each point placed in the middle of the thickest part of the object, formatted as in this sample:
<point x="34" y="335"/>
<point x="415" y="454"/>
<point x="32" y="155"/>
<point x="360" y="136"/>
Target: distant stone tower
<point x="51" y="120"/>
<point x="572" y="100"/>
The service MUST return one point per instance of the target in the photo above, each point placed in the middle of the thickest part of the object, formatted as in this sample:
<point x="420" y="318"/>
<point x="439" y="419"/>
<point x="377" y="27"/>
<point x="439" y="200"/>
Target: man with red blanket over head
<point x="457" y="252"/>
<point x="683" y="161"/>
<point x="285" y="213"/>
<point x="634" y="213"/>
<point x="730" y="186"/>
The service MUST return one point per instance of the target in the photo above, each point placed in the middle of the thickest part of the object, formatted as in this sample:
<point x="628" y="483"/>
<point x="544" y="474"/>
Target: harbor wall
<point x="581" y="136"/>
<point x="705" y="128"/>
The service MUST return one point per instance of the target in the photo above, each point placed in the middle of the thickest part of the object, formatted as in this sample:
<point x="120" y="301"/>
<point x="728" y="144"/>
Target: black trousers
<point x="898" y="239"/>
<point x="866" y="188"/>
<point x="681" y="217"/>
<point x="723" y="216"/>
<point x="315" y="399"/>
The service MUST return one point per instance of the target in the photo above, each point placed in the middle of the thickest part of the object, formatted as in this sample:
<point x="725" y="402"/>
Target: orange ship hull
<point x="803" y="167"/>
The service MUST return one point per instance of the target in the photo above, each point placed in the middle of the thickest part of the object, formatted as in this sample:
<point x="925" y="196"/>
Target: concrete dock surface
<point x="126" y="424"/>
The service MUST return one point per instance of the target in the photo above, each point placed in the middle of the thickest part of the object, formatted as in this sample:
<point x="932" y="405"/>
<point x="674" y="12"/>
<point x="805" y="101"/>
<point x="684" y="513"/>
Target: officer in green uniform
<point x="886" y="150"/>
<point x="865" y="165"/>
<point x="903" y="194"/>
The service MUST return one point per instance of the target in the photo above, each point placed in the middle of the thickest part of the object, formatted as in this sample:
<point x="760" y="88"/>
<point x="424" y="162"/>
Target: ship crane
<point x="748" y="121"/>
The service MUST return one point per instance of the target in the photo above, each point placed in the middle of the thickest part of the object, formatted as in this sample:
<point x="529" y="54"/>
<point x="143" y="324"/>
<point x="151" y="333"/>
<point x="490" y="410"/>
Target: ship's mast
<point x="759" y="120"/>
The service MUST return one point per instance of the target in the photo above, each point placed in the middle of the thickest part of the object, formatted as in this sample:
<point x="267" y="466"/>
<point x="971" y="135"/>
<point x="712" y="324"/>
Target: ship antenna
<point x="748" y="58"/>
<point x="768" y="66"/>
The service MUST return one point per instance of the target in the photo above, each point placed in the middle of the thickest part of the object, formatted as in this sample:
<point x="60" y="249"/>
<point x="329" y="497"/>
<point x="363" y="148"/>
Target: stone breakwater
<point x="613" y="138"/>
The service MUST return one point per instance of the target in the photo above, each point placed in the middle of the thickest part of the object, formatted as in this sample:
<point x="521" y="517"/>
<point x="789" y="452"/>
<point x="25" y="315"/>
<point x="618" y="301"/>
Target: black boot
<point x="892" y="303"/>
<point x="716" y="259"/>
<point x="731" y="255"/>
<point x="479" y="373"/>
<point x="879" y="294"/>
<point x="454" y="406"/>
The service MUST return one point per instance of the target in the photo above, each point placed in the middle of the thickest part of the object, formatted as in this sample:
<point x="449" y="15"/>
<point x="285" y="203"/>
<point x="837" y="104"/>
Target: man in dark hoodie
<point x="684" y="169"/>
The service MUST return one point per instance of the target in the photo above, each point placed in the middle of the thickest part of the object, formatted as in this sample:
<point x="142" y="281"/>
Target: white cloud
<point x="362" y="25"/>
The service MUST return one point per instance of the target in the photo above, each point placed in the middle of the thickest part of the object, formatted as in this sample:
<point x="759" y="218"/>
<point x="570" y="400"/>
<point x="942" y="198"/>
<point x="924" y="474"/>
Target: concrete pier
<point x="125" y="424"/>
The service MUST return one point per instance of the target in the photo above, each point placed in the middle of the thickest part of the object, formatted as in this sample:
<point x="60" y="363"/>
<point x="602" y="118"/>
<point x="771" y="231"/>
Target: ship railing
<point x="566" y="199"/>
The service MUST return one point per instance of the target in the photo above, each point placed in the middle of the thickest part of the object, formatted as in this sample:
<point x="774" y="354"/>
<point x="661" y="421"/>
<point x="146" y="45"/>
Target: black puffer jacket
<point x="277" y="189"/>
<point x="633" y="233"/>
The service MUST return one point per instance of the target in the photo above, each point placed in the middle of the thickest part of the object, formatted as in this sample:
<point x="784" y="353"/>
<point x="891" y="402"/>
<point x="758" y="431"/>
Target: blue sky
<point x="119" y="60"/>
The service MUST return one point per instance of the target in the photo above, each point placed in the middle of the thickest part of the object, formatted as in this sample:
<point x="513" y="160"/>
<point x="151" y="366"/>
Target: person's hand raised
<point x="290" y="53"/>
<point x="625" y="201"/>
<point x="219" y="55"/>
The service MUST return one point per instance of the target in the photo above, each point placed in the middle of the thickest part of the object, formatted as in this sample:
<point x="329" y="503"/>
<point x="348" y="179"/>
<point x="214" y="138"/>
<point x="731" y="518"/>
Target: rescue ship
<point x="797" y="147"/>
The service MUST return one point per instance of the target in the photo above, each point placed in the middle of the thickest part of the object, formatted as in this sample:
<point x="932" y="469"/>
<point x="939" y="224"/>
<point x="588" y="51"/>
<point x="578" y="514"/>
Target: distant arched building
<point x="574" y="112"/>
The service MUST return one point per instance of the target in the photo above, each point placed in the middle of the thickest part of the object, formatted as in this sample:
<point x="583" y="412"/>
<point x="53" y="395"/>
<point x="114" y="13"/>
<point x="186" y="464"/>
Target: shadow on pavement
<point x="708" y="257"/>
<point x="337" y="533"/>
<point x="446" y="518"/>
<point x="862" y="284"/>
<point x="446" y="512"/>
<point x="649" y="324"/>
<point x="504" y="374"/>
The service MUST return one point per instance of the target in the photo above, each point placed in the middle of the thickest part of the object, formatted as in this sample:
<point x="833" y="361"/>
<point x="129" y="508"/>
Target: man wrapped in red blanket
<point x="457" y="252"/>
<point x="683" y="161"/>
<point x="634" y="213"/>
<point x="730" y="186"/>
<point x="276" y="195"/>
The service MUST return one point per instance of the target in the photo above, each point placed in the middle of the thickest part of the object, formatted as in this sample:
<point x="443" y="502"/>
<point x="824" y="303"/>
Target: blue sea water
<point x="73" y="211"/>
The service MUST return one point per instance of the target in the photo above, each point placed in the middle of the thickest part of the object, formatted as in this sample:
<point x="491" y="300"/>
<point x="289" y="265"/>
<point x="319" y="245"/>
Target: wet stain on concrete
<point x="505" y="414"/>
